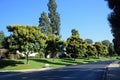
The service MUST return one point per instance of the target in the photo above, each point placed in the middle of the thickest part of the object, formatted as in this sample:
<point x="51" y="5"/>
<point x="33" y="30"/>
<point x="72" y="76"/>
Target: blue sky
<point x="89" y="17"/>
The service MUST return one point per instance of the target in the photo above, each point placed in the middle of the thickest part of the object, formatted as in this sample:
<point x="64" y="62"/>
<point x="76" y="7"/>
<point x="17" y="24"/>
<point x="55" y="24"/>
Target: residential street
<point x="91" y="71"/>
<point x="113" y="73"/>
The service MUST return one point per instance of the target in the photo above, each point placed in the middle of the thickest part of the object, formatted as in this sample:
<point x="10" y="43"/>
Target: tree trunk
<point x="27" y="59"/>
<point x="74" y="59"/>
<point x="27" y="54"/>
<point x="87" y="56"/>
<point x="98" y="56"/>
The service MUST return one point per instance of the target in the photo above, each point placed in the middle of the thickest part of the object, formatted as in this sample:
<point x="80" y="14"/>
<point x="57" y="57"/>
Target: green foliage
<point x="53" y="45"/>
<point x="74" y="44"/>
<point x="89" y="41"/>
<point x="111" y="50"/>
<point x="27" y="39"/>
<point x="54" y="17"/>
<point x="90" y="50"/>
<point x="74" y="32"/>
<point x="101" y="49"/>
<point x="114" y="20"/>
<point x="106" y="43"/>
<point x="45" y="24"/>
<point x="2" y="39"/>
<point x="109" y="46"/>
<point x="111" y="3"/>
<point x="40" y="63"/>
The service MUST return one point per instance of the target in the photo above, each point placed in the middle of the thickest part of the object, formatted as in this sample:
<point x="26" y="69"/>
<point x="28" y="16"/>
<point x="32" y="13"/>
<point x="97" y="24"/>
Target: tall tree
<point x="114" y="20"/>
<point x="101" y="49"/>
<point x="54" y="17"/>
<point x="74" y="44"/>
<point x="2" y="36"/>
<point x="26" y="39"/>
<point x="111" y="49"/>
<point x="45" y="24"/>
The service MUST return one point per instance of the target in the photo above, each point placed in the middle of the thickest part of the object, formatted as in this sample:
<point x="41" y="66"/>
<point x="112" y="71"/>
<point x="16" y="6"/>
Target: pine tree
<point x="54" y="17"/>
<point x="114" y="20"/>
<point x="2" y="36"/>
<point x="44" y="24"/>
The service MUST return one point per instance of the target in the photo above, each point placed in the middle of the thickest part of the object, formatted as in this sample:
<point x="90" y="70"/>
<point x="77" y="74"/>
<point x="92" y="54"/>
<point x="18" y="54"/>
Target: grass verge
<point x="40" y="63"/>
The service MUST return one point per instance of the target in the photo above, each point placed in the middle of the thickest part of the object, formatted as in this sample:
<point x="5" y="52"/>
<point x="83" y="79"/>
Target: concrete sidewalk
<point x="113" y="71"/>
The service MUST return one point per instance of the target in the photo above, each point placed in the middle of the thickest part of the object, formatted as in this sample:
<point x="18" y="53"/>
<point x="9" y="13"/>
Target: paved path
<point x="91" y="71"/>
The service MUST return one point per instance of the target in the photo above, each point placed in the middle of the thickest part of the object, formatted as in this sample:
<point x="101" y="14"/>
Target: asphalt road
<point x="113" y="73"/>
<point x="91" y="71"/>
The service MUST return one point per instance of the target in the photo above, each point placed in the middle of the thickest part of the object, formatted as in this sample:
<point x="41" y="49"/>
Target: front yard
<point x="40" y="63"/>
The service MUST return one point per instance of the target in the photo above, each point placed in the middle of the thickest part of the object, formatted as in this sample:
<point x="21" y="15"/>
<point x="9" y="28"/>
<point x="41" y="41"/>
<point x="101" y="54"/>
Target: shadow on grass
<point x="92" y="61"/>
<point x="67" y="60"/>
<point x="85" y="60"/>
<point x="47" y="61"/>
<point x="88" y="61"/>
<point x="5" y="63"/>
<point x="50" y="61"/>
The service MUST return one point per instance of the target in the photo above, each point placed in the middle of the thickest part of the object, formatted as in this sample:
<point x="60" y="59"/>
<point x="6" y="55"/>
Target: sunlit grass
<point x="40" y="63"/>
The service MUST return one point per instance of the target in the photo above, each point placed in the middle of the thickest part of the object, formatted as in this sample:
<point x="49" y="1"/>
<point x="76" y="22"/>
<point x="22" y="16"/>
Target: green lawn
<point x="40" y="63"/>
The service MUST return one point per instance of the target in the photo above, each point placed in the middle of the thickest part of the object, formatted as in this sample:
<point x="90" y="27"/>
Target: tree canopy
<point x="54" y="45"/>
<point x="2" y="38"/>
<point x="54" y="17"/>
<point x="26" y="39"/>
<point x="101" y="49"/>
<point x="44" y="24"/>
<point x="114" y="20"/>
<point x="89" y="41"/>
<point x="74" y="44"/>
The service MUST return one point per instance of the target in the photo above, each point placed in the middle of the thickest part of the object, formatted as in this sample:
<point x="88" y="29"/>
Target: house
<point x="33" y="54"/>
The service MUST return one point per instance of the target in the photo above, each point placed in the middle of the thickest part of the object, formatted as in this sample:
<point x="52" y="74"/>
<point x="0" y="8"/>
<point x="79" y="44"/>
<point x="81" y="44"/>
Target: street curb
<point x="26" y="70"/>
